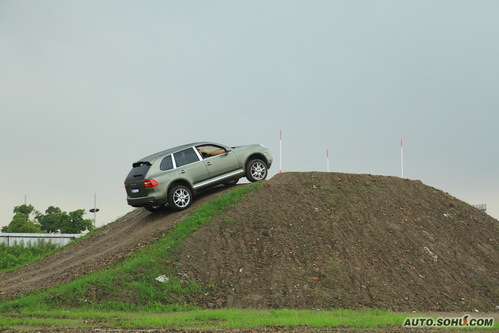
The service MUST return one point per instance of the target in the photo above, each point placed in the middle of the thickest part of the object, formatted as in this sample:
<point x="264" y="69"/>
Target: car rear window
<point x="138" y="172"/>
<point x="185" y="157"/>
<point x="166" y="163"/>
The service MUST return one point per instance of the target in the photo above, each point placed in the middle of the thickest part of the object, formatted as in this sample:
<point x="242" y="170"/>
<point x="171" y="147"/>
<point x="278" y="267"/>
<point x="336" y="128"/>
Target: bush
<point x="17" y="255"/>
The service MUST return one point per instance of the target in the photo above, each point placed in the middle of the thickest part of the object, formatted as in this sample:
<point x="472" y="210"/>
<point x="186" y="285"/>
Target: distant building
<point x="29" y="239"/>
<point x="481" y="207"/>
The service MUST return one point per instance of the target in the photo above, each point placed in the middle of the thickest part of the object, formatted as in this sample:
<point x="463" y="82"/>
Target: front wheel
<point x="256" y="170"/>
<point x="179" y="197"/>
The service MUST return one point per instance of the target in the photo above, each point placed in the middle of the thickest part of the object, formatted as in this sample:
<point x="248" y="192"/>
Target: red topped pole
<point x="280" y="151"/>
<point x="402" y="158"/>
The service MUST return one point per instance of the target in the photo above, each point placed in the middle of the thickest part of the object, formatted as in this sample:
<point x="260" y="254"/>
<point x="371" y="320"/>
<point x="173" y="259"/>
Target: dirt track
<point x="134" y="230"/>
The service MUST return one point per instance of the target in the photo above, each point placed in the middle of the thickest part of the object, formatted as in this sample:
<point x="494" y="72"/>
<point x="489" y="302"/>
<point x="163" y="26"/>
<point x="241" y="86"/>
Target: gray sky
<point x="88" y="87"/>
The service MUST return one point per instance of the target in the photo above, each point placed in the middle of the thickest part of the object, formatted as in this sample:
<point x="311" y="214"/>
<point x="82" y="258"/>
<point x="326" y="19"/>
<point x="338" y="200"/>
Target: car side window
<point x="185" y="157"/>
<point x="166" y="163"/>
<point x="208" y="151"/>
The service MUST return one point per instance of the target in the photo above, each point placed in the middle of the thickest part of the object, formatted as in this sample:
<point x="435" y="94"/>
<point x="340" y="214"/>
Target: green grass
<point x="29" y="319"/>
<point x="14" y="256"/>
<point x="205" y="319"/>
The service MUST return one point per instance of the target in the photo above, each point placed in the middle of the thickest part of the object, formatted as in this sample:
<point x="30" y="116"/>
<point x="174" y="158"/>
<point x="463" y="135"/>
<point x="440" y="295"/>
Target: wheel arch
<point x="256" y="156"/>
<point x="180" y="182"/>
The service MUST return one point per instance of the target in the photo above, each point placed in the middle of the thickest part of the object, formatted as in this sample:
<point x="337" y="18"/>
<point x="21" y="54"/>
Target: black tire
<point x="256" y="170"/>
<point x="155" y="208"/>
<point x="179" y="197"/>
<point x="231" y="182"/>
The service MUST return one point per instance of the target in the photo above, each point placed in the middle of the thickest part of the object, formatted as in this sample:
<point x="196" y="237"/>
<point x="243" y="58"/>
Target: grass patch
<point x="29" y="319"/>
<point x="14" y="256"/>
<point x="207" y="319"/>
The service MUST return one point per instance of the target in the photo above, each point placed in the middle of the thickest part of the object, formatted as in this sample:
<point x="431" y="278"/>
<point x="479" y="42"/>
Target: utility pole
<point x="95" y="209"/>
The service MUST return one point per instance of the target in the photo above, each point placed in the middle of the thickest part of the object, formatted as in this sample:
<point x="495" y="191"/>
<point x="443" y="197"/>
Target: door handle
<point x="182" y="171"/>
<point x="208" y="163"/>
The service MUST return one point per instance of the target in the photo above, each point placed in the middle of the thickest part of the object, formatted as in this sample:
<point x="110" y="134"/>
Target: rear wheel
<point x="256" y="170"/>
<point x="179" y="197"/>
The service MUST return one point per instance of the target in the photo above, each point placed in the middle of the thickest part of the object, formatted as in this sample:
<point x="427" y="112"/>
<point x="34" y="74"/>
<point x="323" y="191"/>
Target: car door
<point x="190" y="167"/>
<point x="222" y="164"/>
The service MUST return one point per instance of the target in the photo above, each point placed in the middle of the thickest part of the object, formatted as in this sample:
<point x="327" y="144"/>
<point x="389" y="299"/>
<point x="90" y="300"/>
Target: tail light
<point x="150" y="183"/>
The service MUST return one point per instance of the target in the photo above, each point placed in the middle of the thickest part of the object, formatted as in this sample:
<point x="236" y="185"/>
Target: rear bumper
<point x="144" y="201"/>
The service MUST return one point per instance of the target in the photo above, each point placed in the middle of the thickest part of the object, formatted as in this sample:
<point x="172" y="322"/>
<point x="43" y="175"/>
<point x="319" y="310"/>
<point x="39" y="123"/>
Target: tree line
<point x="28" y="220"/>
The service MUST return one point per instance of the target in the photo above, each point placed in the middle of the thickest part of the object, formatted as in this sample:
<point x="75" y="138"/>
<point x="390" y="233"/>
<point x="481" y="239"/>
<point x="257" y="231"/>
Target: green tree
<point x="51" y="221"/>
<point x="77" y="223"/>
<point x="21" y="222"/>
<point x="55" y="220"/>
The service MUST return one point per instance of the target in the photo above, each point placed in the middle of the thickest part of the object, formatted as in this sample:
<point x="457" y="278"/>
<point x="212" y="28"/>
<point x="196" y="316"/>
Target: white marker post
<point x="402" y="158"/>
<point x="327" y="160"/>
<point x="280" y="151"/>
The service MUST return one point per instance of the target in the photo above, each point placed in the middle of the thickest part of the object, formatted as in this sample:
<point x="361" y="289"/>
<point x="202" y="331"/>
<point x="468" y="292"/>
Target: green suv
<point x="173" y="176"/>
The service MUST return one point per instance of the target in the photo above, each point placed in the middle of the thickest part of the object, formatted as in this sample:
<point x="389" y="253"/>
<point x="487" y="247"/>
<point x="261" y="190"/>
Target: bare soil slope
<point x="322" y="240"/>
<point x="313" y="240"/>
<point x="114" y="243"/>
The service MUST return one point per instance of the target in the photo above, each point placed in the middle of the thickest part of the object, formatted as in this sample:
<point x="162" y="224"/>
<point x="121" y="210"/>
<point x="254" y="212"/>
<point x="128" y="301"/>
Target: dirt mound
<point x="308" y="241"/>
<point x="136" y="229"/>
<point x="323" y="240"/>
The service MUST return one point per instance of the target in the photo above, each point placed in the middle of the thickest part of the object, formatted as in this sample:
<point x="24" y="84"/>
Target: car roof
<point x="169" y="151"/>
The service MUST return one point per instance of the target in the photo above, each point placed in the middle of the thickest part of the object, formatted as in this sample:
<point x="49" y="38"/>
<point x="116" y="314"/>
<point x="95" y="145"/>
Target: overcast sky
<point x="88" y="87"/>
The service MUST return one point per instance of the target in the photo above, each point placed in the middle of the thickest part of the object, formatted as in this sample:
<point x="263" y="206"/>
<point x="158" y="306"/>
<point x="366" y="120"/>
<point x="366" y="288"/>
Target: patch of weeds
<point x="349" y="189"/>
<point x="322" y="297"/>
<point x="313" y="183"/>
<point x="340" y="223"/>
<point x="228" y="220"/>
<point x="335" y="266"/>
<point x="332" y="193"/>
